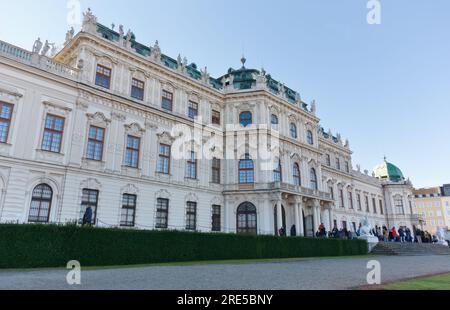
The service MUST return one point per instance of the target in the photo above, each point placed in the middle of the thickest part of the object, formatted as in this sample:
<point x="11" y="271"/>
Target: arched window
<point x="277" y="172"/>
<point x="246" y="170"/>
<point x="245" y="118"/>
<point x="41" y="202"/>
<point x="246" y="219"/>
<point x="274" y="121"/>
<point x="313" y="179"/>
<point x="293" y="130"/>
<point x="309" y="137"/>
<point x="296" y="175"/>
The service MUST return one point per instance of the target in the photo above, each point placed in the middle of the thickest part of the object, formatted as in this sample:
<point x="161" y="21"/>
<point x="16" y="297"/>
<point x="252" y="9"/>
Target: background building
<point x="434" y="206"/>
<point x="98" y="124"/>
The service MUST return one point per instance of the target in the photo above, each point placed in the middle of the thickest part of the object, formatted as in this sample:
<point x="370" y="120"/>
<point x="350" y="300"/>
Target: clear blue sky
<point x="385" y="87"/>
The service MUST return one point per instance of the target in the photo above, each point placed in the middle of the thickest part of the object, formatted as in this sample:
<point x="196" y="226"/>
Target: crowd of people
<point x="384" y="234"/>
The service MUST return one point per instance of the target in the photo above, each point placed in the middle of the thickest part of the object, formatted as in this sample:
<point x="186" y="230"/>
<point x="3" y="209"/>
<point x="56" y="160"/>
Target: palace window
<point x="358" y="200"/>
<point x="338" y="163"/>
<point x="367" y="204"/>
<point x="137" y="89"/>
<point x="41" y="202"/>
<point x="347" y="167"/>
<point x="103" y="77"/>
<point x="331" y="191"/>
<point x="398" y="203"/>
<point x="374" y="205"/>
<point x="94" y="150"/>
<point x="5" y="121"/>
<point x="89" y="199"/>
<point x="128" y="210"/>
<point x="350" y="199"/>
<point x="277" y="172"/>
<point x="191" y="215"/>
<point x="192" y="109"/>
<point x="164" y="159"/>
<point x="216" y="218"/>
<point x="191" y="166"/>
<point x="310" y="137"/>
<point x="245" y="118"/>
<point x="132" y="152"/>
<point x="293" y="131"/>
<point x="215" y="169"/>
<point x="341" y="198"/>
<point x="215" y="117"/>
<point x="53" y="133"/>
<point x="328" y="159"/>
<point x="274" y="121"/>
<point x="246" y="221"/>
<point x="296" y="175"/>
<point x="162" y="213"/>
<point x="381" y="207"/>
<point x="167" y="100"/>
<point x="246" y="170"/>
<point x="313" y="179"/>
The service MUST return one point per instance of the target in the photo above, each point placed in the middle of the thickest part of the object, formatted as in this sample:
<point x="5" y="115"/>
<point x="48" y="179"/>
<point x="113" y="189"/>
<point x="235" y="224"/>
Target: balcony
<point x="38" y="61"/>
<point x="281" y="187"/>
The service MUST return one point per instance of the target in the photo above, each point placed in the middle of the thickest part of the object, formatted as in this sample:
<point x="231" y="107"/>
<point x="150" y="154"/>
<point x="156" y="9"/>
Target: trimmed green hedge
<point x="35" y="246"/>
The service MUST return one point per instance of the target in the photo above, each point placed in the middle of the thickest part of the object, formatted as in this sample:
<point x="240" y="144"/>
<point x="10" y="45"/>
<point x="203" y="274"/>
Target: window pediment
<point x="98" y="118"/>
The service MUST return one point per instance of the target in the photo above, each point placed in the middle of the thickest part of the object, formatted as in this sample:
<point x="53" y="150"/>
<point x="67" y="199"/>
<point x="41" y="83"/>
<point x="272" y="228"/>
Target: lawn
<point x="440" y="282"/>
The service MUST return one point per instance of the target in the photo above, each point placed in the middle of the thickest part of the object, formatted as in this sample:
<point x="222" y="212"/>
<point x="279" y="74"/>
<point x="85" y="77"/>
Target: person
<point x="418" y="235"/>
<point x="394" y="234"/>
<point x="322" y="231"/>
<point x="293" y="231"/>
<point x="87" y="217"/>
<point x="401" y="234"/>
<point x="282" y="232"/>
<point x="385" y="234"/>
<point x="408" y="235"/>
<point x="335" y="232"/>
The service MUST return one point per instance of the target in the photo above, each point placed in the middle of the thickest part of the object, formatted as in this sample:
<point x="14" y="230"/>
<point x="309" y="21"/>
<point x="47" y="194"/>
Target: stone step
<point x="397" y="248"/>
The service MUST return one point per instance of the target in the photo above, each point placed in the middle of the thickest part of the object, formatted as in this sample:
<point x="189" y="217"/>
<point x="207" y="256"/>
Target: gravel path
<point x="311" y="274"/>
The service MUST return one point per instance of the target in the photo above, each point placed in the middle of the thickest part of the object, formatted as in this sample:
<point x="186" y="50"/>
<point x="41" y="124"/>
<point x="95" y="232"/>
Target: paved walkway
<point x="339" y="273"/>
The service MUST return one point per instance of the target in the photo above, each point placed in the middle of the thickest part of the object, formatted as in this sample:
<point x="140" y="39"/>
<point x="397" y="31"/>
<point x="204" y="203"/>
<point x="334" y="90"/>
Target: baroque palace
<point x="93" y="125"/>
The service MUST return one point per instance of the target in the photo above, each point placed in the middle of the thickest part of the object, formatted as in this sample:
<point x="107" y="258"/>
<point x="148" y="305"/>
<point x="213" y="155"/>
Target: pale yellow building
<point x="434" y="206"/>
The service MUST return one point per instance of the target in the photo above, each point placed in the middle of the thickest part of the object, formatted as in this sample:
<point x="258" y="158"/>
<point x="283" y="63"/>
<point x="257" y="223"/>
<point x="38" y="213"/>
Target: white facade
<point x="64" y="87"/>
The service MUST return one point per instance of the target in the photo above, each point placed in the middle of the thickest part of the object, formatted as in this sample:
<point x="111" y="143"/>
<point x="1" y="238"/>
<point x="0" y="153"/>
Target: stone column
<point x="279" y="217"/>
<point x="301" y="228"/>
<point x="296" y="218"/>
<point x="316" y="213"/>
<point x="330" y="216"/>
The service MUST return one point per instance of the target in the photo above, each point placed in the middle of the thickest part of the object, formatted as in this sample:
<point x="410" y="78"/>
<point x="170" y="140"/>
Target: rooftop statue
<point x="313" y="107"/>
<point x="89" y="21"/>
<point x="37" y="46"/>
<point x="205" y="75"/>
<point x="46" y="48"/>
<point x="121" y="32"/>
<point x="156" y="51"/>
<point x="69" y="35"/>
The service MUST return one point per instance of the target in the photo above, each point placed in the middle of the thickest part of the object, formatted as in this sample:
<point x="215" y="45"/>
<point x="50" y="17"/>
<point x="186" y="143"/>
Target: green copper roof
<point x="388" y="171"/>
